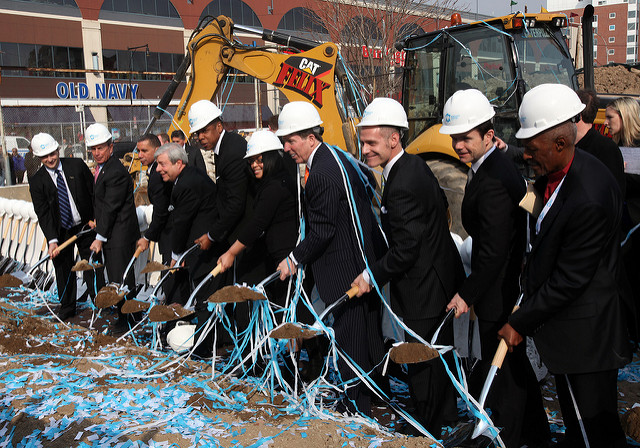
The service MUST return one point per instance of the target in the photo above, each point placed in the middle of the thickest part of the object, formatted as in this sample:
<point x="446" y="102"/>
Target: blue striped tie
<point x="66" y="218"/>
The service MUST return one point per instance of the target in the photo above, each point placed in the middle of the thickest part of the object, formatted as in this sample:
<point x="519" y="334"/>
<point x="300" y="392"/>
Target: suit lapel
<point x="392" y="174"/>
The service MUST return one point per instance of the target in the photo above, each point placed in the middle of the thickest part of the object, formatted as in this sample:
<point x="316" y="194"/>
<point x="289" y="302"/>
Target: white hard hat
<point x="546" y="106"/>
<point x="201" y="114"/>
<point x="297" y="116"/>
<point x="384" y="112"/>
<point x="96" y="134"/>
<point x="465" y="110"/>
<point x="43" y="144"/>
<point x="261" y="142"/>
<point x="181" y="337"/>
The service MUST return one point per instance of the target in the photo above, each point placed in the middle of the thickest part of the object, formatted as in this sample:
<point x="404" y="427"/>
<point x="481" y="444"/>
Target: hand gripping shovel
<point x="113" y="293"/>
<point x="468" y="434"/>
<point x="416" y="352"/>
<point x="235" y="293"/>
<point x="175" y="311"/>
<point x="133" y="305"/>
<point x="26" y="278"/>
<point x="292" y="330"/>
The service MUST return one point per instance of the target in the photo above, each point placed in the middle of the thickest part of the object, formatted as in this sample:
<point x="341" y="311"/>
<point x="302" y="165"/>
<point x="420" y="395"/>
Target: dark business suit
<point x="497" y="225"/>
<point x="607" y="151"/>
<point x="193" y="208"/>
<point x="331" y="247"/>
<point x="194" y="158"/>
<point x="44" y="195"/>
<point x="116" y="218"/>
<point x="572" y="304"/>
<point x="424" y="268"/>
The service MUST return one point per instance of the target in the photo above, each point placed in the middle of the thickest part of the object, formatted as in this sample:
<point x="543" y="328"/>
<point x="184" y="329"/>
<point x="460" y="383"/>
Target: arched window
<point x="409" y="29"/>
<point x="362" y="30"/>
<point x="158" y="8"/>
<point x="302" y="19"/>
<point x="239" y="11"/>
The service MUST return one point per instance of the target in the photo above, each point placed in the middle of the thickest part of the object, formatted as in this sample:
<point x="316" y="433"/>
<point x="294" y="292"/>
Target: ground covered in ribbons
<point x="71" y="386"/>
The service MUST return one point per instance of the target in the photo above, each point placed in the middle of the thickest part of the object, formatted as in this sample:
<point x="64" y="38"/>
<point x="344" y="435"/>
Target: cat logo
<point x="302" y="75"/>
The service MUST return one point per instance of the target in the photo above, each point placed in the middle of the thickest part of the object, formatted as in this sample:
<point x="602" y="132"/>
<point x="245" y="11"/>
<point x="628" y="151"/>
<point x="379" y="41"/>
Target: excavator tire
<point x="452" y="176"/>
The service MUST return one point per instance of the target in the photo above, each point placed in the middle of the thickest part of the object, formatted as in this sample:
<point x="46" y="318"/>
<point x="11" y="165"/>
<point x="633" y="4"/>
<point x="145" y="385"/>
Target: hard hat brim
<point x="260" y="151"/>
<point x="46" y="152"/>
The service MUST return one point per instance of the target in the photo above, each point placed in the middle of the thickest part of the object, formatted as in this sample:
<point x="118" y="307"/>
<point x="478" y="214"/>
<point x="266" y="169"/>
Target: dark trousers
<point x="433" y="393"/>
<point x="359" y="334"/>
<point x="116" y="260"/>
<point x="515" y="399"/>
<point x="65" y="279"/>
<point x="596" y="396"/>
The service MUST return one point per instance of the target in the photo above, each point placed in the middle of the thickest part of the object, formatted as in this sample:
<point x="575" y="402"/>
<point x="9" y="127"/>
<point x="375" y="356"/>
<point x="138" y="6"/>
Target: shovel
<point x="292" y="330"/>
<point x="235" y="294"/>
<point x="113" y="293"/>
<point x="416" y="352"/>
<point x="15" y="264"/>
<point x="14" y="229"/>
<point x="175" y="311"/>
<point x="28" y="277"/>
<point x="468" y="434"/>
<point x="134" y="306"/>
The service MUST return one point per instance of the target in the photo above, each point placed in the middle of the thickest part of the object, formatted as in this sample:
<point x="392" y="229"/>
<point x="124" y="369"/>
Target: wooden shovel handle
<point x="6" y="229"/>
<point x="66" y="244"/>
<point x="15" y="231"/>
<point x="32" y="233"/>
<point x="498" y="358"/>
<point x="22" y="232"/>
<point x="137" y="253"/>
<point x="215" y="271"/>
<point x="352" y="292"/>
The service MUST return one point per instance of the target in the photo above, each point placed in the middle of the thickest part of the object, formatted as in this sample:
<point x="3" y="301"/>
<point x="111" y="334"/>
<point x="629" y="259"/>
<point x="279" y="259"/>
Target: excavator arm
<point x="309" y="75"/>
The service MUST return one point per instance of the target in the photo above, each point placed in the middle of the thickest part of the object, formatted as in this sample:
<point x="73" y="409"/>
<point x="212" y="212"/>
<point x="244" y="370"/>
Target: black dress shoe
<point x="66" y="314"/>
<point x="44" y="311"/>
<point x="119" y="327"/>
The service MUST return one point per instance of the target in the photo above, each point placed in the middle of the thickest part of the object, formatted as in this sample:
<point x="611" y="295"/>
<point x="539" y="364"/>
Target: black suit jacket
<point x="331" y="244"/>
<point x="194" y="158"/>
<point x="607" y="151"/>
<point x="497" y="225"/>
<point x="159" y="193"/>
<point x="422" y="262"/>
<point x="572" y="304"/>
<point x="193" y="208"/>
<point x="115" y="210"/>
<point x="232" y="182"/>
<point x="44" y="194"/>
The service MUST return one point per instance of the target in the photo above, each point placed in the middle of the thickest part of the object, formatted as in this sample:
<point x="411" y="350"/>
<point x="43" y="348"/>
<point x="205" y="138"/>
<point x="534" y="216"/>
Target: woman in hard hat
<point x="271" y="230"/>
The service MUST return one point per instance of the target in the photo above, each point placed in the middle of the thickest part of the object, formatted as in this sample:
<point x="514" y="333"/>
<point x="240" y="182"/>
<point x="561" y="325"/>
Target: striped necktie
<point x="66" y="218"/>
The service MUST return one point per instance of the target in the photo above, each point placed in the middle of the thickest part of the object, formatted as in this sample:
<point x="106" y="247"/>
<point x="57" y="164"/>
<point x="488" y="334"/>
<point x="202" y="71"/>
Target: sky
<point x="500" y="7"/>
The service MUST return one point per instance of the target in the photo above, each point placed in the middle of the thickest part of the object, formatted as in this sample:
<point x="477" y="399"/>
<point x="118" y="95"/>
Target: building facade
<point x="615" y="27"/>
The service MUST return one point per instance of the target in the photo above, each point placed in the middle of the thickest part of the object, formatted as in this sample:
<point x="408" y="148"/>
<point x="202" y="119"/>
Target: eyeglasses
<point x="257" y="160"/>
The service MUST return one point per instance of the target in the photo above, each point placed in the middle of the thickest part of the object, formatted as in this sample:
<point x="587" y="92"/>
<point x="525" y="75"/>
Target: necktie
<point x="95" y="173"/>
<point x="306" y="174"/>
<point x="66" y="218"/>
<point x="469" y="176"/>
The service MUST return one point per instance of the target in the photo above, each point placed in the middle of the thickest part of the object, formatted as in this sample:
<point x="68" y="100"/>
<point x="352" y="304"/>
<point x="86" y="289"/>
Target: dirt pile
<point x="631" y="423"/>
<point x="615" y="79"/>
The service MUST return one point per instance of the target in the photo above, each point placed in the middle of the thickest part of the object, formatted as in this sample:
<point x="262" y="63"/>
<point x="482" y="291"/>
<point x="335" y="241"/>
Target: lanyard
<point x="548" y="205"/>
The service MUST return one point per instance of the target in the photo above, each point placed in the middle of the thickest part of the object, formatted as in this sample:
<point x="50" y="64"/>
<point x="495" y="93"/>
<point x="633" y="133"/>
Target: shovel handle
<point x="215" y="271"/>
<point x="353" y="292"/>
<point x="502" y="350"/>
<point x="14" y="231"/>
<point x="6" y="229"/>
<point x="137" y="253"/>
<point x="32" y="233"/>
<point x="22" y="232"/>
<point x="66" y="244"/>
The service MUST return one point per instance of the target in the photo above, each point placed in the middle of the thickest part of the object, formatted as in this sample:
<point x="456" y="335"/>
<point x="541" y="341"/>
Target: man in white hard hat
<point x="116" y="221"/>
<point x="422" y="264"/>
<point x="572" y="303"/>
<point x="332" y="245"/>
<point x="62" y="195"/>
<point x="497" y="226"/>
<point x="193" y="207"/>
<point x="228" y="148"/>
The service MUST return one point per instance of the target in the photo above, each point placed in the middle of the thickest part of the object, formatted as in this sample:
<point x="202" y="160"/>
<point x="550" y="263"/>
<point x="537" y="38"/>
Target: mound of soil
<point x="9" y="281"/>
<point x="230" y="294"/>
<point x="631" y="423"/>
<point x="168" y="313"/>
<point x="293" y="331"/>
<point x="615" y="79"/>
<point x="154" y="266"/>
<point x="134" y="306"/>
<point x="412" y="352"/>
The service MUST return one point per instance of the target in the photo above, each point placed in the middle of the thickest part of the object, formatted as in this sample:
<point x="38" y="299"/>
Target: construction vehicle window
<point x="480" y="60"/>
<point x="542" y="59"/>
<point x="422" y="89"/>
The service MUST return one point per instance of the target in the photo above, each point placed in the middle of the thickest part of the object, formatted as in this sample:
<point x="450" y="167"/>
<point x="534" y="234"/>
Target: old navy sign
<point x="302" y="75"/>
<point x="103" y="91"/>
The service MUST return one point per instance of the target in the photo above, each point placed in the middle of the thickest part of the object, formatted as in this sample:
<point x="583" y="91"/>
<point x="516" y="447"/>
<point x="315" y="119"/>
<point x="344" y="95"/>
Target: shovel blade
<point x="294" y="331"/>
<point x="168" y="313"/>
<point x="134" y="306"/>
<point x="462" y="437"/>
